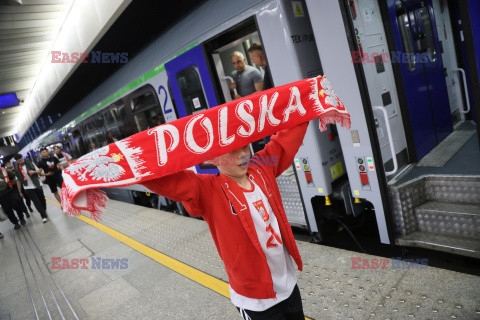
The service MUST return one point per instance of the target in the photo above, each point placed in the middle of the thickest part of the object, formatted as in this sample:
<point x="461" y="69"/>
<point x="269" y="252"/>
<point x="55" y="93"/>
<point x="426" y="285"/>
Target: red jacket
<point x="214" y="196"/>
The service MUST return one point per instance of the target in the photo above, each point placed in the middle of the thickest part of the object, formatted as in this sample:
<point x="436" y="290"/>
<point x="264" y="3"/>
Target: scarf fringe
<point x="95" y="198"/>
<point x="334" y="117"/>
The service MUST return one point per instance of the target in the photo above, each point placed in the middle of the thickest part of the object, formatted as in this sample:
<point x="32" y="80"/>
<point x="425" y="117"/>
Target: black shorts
<point x="290" y="309"/>
<point x="55" y="181"/>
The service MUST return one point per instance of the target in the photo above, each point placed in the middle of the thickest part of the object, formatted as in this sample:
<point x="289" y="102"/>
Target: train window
<point x="145" y="109"/>
<point x="403" y="22"/>
<point x="426" y="39"/>
<point x="143" y="101"/>
<point x="191" y="89"/>
<point x="141" y="121"/>
<point x="109" y="119"/>
<point x="112" y="127"/>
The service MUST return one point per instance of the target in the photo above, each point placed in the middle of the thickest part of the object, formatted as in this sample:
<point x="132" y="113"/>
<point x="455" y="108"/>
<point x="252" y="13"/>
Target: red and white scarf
<point x="188" y="141"/>
<point x="20" y="167"/>
<point x="7" y="179"/>
<point x="5" y="174"/>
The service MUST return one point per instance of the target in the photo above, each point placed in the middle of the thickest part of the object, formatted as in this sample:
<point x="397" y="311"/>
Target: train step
<point x="452" y="244"/>
<point x="450" y="219"/>
<point x="439" y="212"/>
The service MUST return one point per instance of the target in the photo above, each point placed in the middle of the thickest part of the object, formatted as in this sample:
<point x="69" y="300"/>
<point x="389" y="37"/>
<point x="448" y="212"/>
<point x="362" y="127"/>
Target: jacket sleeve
<point x="16" y="170"/>
<point x="11" y="175"/>
<point x="279" y="153"/>
<point x="183" y="186"/>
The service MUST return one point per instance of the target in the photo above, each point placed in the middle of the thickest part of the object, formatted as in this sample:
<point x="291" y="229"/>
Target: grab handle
<point x="465" y="88"/>
<point x="231" y="80"/>
<point x="390" y="140"/>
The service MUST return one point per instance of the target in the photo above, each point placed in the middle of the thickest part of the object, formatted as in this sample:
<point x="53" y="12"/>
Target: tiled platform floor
<point x="331" y="289"/>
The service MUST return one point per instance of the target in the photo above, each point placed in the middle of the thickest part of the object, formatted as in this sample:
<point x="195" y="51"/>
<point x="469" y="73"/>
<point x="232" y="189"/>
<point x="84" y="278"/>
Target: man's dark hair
<point x="57" y="147"/>
<point x="43" y="149"/>
<point x="17" y="156"/>
<point x="255" y="46"/>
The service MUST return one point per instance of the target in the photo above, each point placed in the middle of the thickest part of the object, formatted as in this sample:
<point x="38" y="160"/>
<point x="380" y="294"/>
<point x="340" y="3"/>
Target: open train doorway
<point x="406" y="68"/>
<point x="235" y="72"/>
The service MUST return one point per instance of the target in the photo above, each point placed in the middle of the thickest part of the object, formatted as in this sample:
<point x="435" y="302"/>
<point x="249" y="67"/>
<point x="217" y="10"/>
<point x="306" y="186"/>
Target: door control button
<point x="364" y="178"/>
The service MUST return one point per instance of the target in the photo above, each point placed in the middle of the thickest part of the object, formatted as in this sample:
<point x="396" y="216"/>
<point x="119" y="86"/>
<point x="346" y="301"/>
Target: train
<point x="378" y="56"/>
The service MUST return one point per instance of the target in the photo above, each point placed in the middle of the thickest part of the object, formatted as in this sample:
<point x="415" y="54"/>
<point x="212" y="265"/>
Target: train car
<point x="367" y="175"/>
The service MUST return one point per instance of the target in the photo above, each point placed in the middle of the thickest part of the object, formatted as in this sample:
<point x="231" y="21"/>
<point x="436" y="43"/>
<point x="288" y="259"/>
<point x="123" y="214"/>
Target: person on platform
<point x="9" y="199"/>
<point x="27" y="173"/>
<point x="8" y="165"/>
<point x="52" y="170"/>
<point x="250" y="228"/>
<point x="246" y="79"/>
<point x="64" y="158"/>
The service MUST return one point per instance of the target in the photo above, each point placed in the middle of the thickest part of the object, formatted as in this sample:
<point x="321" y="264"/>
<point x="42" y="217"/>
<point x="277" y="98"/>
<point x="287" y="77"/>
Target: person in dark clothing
<point x="258" y="57"/>
<point x="9" y="166"/>
<point x="10" y="200"/>
<point x="64" y="158"/>
<point x="52" y="169"/>
<point x="27" y="174"/>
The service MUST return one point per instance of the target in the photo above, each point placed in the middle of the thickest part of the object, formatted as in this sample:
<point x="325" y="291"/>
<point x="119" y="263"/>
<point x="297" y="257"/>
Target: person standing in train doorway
<point x="52" y="170"/>
<point x="27" y="174"/>
<point x="244" y="211"/>
<point x="258" y="57"/>
<point x="246" y="79"/>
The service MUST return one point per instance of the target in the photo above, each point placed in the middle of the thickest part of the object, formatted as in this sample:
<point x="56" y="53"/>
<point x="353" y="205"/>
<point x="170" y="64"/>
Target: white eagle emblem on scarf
<point x="331" y="98"/>
<point x="97" y="165"/>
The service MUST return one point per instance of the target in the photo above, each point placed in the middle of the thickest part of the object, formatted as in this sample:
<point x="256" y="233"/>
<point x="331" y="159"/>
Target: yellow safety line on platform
<point x="198" y="276"/>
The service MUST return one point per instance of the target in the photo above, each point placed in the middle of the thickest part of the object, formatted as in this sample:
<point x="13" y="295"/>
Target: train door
<point x="423" y="74"/>
<point x="192" y="88"/>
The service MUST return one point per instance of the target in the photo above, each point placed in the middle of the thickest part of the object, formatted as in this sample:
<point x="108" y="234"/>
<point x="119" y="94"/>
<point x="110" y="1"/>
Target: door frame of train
<point x="370" y="125"/>
<point x="194" y="56"/>
<point x="428" y="112"/>
<point x="473" y="63"/>
<point x="245" y="25"/>
<point x="336" y="64"/>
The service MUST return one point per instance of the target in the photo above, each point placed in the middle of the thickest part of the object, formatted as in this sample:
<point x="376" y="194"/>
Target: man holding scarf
<point x="27" y="173"/>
